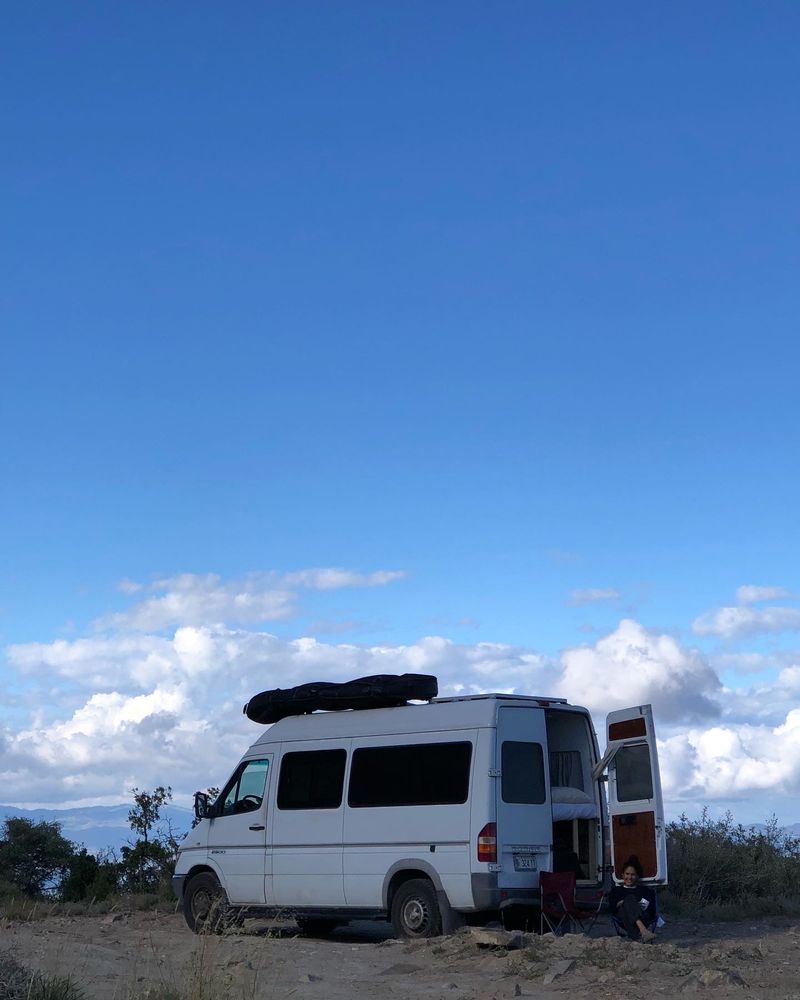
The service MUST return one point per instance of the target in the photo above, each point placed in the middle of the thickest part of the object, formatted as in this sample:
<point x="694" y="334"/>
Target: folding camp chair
<point x="561" y="910"/>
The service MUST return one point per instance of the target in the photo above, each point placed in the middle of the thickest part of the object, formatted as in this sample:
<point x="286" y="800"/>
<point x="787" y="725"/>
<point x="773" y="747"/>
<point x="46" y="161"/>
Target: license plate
<point x="524" y="862"/>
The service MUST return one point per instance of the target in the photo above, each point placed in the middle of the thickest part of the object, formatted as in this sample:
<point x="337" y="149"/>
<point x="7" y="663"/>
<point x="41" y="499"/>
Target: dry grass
<point x="17" y="982"/>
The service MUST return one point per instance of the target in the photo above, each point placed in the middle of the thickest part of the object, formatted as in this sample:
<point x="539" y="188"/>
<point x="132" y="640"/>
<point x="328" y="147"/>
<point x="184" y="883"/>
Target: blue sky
<point x="499" y="298"/>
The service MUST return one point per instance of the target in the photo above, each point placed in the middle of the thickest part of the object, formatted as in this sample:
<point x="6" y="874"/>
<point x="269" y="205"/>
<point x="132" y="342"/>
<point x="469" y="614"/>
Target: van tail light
<point x="487" y="843"/>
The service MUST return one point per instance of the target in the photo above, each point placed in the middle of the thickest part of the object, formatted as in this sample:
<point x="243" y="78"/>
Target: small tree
<point x="147" y="809"/>
<point x="149" y="859"/>
<point x="33" y="856"/>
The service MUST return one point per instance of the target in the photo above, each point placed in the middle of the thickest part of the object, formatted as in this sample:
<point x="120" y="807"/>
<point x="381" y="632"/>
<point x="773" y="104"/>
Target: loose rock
<point x="557" y="970"/>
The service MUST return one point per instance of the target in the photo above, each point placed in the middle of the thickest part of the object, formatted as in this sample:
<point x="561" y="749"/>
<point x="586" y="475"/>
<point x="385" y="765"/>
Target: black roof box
<point x="380" y="691"/>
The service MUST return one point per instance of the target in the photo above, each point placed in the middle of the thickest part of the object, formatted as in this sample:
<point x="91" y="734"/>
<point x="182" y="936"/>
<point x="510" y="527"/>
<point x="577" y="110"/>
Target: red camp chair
<point x="561" y="911"/>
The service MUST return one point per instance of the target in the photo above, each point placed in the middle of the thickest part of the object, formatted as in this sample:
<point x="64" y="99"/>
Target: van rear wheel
<point x="415" y="910"/>
<point x="205" y="905"/>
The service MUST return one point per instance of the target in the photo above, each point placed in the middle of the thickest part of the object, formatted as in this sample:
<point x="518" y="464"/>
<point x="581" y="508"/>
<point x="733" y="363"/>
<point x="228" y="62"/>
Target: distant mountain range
<point x="98" y="828"/>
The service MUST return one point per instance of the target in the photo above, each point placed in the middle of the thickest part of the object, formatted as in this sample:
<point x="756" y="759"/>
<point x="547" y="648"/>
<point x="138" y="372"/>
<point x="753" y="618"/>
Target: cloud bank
<point x="633" y="666"/>
<point x="155" y="696"/>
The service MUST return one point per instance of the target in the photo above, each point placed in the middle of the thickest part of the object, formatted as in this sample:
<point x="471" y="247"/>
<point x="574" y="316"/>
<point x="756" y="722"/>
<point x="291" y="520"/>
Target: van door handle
<point x="257" y="826"/>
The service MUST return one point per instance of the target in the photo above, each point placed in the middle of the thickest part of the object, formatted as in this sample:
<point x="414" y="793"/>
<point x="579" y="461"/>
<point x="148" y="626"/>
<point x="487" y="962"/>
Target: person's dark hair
<point x="633" y="862"/>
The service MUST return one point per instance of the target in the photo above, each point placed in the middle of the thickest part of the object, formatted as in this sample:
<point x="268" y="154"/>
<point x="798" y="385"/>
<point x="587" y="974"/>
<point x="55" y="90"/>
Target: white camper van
<point x="429" y="815"/>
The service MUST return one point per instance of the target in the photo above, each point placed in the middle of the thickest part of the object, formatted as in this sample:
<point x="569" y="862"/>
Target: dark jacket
<point x="640" y="892"/>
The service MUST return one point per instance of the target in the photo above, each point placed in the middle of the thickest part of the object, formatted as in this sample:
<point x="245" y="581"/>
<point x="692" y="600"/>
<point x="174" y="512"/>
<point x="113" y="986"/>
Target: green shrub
<point x="33" y="856"/>
<point x="720" y="863"/>
<point x="89" y="878"/>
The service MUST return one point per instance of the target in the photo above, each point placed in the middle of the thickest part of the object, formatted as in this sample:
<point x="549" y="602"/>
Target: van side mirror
<point x="202" y="807"/>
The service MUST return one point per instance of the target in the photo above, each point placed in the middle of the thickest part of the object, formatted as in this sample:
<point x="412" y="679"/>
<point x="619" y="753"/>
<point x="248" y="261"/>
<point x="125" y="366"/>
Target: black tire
<point x="205" y="905"/>
<point x="316" y="926"/>
<point x="415" y="910"/>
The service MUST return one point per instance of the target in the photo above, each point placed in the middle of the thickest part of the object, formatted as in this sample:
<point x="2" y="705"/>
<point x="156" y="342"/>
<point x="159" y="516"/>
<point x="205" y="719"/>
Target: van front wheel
<point x="415" y="911"/>
<point x="205" y="905"/>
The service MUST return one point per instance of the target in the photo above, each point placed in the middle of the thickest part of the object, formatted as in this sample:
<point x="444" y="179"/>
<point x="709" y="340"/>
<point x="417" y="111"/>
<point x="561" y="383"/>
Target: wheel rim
<point x="202" y="901"/>
<point x="415" y="915"/>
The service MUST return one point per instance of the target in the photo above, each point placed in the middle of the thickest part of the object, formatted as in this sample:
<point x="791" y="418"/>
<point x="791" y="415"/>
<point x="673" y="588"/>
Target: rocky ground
<point x="140" y="955"/>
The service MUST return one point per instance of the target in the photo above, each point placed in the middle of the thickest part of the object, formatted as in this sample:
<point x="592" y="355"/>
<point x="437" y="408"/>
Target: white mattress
<point x="571" y="803"/>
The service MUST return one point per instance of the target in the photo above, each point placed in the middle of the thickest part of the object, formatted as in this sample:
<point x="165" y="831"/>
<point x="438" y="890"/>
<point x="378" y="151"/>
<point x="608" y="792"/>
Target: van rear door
<point x="524" y="821"/>
<point x="635" y="803"/>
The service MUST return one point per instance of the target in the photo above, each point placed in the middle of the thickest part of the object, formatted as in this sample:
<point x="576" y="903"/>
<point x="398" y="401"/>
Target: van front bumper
<point x="177" y="885"/>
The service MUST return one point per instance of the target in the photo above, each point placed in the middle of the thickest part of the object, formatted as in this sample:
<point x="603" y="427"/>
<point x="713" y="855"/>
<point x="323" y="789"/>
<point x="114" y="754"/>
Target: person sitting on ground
<point x="633" y="905"/>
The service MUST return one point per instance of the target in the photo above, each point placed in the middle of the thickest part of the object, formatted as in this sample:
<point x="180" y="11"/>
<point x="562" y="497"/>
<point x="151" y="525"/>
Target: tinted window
<point x="421" y="775"/>
<point x="522" y="769"/>
<point x="634" y="777"/>
<point x="312" y="779"/>
<point x="245" y="791"/>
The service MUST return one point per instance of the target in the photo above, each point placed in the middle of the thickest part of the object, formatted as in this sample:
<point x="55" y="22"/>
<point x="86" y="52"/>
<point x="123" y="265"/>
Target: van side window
<point x="420" y="775"/>
<point x="312" y="779"/>
<point x="522" y="769"/>
<point x="634" y="775"/>
<point x="245" y="791"/>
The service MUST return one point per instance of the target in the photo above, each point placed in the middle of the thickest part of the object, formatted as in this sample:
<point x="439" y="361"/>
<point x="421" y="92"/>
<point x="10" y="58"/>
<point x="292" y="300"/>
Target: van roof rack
<point x="504" y="696"/>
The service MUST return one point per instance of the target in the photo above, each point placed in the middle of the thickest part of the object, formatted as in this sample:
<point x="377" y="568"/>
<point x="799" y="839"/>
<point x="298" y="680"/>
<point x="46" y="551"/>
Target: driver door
<point x="237" y="835"/>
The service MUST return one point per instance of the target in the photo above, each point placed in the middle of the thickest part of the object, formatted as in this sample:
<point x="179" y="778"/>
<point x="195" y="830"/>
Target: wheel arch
<point x="198" y="869"/>
<point x="404" y="871"/>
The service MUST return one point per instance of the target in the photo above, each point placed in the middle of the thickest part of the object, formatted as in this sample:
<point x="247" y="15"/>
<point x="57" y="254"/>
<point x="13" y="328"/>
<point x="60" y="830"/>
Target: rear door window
<point x="634" y="774"/>
<point x="522" y="772"/>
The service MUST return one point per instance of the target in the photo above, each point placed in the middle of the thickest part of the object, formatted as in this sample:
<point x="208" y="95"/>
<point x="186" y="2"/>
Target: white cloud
<point x="739" y="622"/>
<point x="750" y="594"/>
<point x="765" y="702"/>
<point x="733" y="762"/>
<point x="170" y="709"/>
<point x="334" y="579"/>
<point x="593" y="595"/>
<point x="194" y="599"/>
<point x="634" y="666"/>
<point x="98" y="714"/>
<point x="159" y="709"/>
<point x="102" y="663"/>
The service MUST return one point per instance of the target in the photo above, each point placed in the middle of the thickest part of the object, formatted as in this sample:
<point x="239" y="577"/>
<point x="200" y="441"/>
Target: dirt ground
<point x="145" y="954"/>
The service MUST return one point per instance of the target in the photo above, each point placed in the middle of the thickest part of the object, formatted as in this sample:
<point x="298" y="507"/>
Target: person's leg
<point x="630" y="916"/>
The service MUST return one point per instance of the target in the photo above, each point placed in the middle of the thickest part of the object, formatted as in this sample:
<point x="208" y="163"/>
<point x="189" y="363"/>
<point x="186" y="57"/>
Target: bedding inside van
<point x="571" y="803"/>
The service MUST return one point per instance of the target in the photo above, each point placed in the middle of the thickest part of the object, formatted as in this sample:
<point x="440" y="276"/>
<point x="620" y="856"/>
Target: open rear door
<point x="635" y="803"/>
